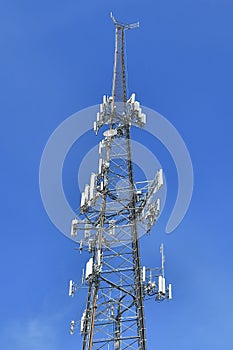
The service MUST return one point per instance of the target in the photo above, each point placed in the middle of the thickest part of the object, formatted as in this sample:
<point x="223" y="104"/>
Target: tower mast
<point x="119" y="93"/>
<point x="119" y="84"/>
<point x="113" y="206"/>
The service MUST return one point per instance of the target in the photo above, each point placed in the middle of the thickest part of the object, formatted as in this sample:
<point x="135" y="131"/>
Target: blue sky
<point x="56" y="58"/>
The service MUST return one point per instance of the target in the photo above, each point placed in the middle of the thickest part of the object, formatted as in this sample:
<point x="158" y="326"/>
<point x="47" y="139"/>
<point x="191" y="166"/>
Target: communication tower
<point x="114" y="208"/>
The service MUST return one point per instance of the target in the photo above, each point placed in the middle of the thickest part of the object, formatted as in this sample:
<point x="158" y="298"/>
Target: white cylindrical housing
<point x="160" y="284"/>
<point x="164" y="286"/>
<point x="83" y="199"/>
<point x="158" y="205"/>
<point x="143" y="273"/>
<point x="170" y="291"/>
<point x="71" y="288"/>
<point x="72" y="323"/>
<point x="94" y="126"/>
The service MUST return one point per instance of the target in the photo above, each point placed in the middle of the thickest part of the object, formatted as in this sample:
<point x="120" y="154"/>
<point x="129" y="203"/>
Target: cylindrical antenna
<point x="163" y="257"/>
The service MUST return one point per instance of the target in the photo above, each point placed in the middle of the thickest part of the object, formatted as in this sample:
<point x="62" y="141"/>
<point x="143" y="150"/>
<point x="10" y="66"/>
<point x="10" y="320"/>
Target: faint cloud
<point x="36" y="334"/>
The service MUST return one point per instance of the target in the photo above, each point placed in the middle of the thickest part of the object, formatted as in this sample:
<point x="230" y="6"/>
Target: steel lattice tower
<point x="113" y="209"/>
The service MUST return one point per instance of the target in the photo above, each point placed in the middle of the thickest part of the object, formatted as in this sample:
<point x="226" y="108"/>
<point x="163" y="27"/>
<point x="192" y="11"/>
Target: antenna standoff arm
<point x="125" y="26"/>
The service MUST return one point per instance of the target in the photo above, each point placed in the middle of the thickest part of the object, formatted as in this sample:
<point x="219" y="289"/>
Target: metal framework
<point x="114" y="208"/>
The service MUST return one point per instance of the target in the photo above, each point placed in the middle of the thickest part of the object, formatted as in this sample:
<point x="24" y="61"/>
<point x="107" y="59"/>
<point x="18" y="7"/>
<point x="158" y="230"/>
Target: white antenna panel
<point x="160" y="178"/>
<point x="136" y="106"/>
<point x="104" y="99"/>
<point x="100" y="147"/>
<point x="143" y="118"/>
<point x="82" y="321"/>
<point x="83" y="199"/>
<point x="92" y="186"/>
<point x="92" y="181"/>
<point x="98" y="116"/>
<point x="101" y="108"/>
<point x="100" y="165"/>
<point x="86" y="192"/>
<point x="89" y="268"/>
<point x="98" y="257"/>
<point x="91" y="193"/>
<point x="73" y="231"/>
<point x="158" y="204"/>
<point x="101" y="186"/>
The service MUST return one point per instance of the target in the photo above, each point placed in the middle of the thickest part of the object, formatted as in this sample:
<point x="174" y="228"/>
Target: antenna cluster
<point x="153" y="282"/>
<point x="109" y="112"/>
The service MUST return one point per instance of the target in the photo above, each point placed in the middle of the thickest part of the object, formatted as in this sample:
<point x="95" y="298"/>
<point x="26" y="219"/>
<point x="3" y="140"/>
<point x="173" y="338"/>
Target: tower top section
<point x="124" y="25"/>
<point x="119" y="84"/>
